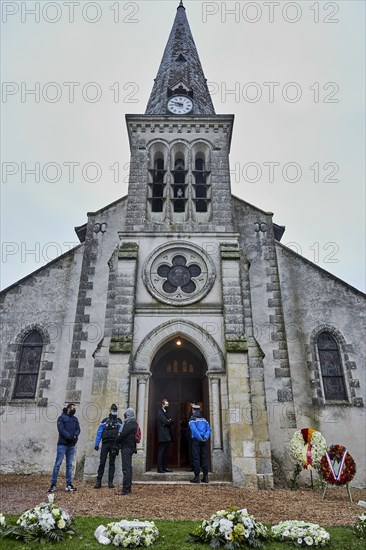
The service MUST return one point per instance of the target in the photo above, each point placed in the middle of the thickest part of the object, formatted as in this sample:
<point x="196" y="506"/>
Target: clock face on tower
<point x="180" y="105"/>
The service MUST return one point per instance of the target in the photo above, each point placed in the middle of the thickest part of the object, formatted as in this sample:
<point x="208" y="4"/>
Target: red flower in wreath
<point x="346" y="467"/>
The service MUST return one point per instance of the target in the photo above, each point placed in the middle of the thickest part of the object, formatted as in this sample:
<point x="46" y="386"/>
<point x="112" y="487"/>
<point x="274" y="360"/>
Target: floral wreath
<point x="347" y="466"/>
<point x="307" y="448"/>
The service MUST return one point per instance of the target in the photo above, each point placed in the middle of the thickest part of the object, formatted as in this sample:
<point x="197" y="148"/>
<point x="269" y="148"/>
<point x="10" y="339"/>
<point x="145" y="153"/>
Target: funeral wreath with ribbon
<point x="337" y="466"/>
<point x="307" y="448"/>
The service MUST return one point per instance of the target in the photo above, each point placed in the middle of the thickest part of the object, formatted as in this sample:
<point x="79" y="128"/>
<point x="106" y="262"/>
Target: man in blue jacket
<point x="107" y="433"/>
<point x="68" y="433"/>
<point x="200" y="433"/>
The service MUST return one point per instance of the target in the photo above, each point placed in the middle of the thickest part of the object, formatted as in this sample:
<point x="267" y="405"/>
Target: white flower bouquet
<point x="45" y="522"/>
<point x="128" y="534"/>
<point x="360" y="527"/>
<point x="300" y="533"/>
<point x="232" y="528"/>
<point x="2" y="522"/>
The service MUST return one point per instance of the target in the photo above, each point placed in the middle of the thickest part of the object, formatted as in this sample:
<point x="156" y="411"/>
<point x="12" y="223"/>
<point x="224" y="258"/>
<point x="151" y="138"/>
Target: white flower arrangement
<point x="128" y="534"/>
<point x="2" y="522"/>
<point x="300" y="533"/>
<point x="231" y="528"/>
<point x="299" y="447"/>
<point x="360" y="527"/>
<point x="45" y="522"/>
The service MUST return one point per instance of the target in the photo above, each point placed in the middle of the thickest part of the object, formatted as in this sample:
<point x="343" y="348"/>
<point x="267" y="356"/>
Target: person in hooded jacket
<point x="107" y="434"/>
<point x="200" y="433"/>
<point x="126" y="441"/>
<point x="68" y="433"/>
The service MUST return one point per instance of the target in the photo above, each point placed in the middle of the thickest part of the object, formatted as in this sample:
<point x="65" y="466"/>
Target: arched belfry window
<point x="179" y="185"/>
<point x="158" y="186"/>
<point x="331" y="368"/>
<point x="200" y="175"/>
<point x="29" y="360"/>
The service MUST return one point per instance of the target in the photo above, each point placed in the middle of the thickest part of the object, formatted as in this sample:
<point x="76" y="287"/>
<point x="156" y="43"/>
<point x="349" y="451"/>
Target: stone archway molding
<point x="185" y="329"/>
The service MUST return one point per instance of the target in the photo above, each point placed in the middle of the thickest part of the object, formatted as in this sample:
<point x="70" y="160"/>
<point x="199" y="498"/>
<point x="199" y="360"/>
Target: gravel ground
<point x="175" y="501"/>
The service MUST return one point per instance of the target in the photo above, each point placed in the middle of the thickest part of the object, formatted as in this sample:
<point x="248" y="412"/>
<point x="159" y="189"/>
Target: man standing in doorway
<point x="200" y="432"/>
<point x="164" y="436"/>
<point x="68" y="433"/>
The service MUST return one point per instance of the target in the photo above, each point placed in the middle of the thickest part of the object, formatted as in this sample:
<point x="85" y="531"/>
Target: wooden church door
<point x="179" y="375"/>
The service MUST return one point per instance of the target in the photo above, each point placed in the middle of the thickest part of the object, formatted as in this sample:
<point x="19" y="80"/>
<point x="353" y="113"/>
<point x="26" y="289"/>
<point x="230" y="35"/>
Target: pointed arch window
<point x="331" y="368"/>
<point x="28" y="366"/>
<point x="179" y="186"/>
<point x="200" y="175"/>
<point x="158" y="186"/>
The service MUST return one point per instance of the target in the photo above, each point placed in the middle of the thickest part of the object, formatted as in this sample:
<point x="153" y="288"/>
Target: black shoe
<point x="196" y="479"/>
<point x="123" y="492"/>
<point x="70" y="487"/>
<point x="161" y="471"/>
<point x="168" y="471"/>
<point x="98" y="484"/>
<point x="52" y="489"/>
<point x="204" y="478"/>
<point x="110" y="485"/>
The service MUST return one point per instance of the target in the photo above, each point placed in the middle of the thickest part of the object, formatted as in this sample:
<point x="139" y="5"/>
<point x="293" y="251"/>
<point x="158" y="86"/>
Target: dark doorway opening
<point x="179" y="375"/>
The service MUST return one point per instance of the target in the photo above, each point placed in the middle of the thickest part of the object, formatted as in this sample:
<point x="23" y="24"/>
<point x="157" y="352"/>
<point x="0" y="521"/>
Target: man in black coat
<point x="164" y="436"/>
<point x="126" y="440"/>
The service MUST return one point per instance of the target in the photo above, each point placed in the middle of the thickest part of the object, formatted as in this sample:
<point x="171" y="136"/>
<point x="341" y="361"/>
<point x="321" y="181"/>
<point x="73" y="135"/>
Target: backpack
<point x="138" y="434"/>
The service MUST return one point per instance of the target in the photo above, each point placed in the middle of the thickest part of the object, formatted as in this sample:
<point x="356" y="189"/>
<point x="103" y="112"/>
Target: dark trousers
<point x="107" y="448"/>
<point x="199" y="457"/>
<point x="163" y="456"/>
<point x="127" y="453"/>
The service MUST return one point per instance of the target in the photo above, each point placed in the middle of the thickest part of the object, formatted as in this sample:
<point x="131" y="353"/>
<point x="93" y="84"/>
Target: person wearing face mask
<point x="68" y="433"/>
<point x="126" y="441"/>
<point x="107" y="434"/>
<point x="165" y="424"/>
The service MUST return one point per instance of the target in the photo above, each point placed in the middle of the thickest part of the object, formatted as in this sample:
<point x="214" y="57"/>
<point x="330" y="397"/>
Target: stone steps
<point x="180" y="477"/>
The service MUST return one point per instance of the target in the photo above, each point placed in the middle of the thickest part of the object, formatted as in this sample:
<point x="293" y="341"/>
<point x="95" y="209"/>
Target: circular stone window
<point x="179" y="273"/>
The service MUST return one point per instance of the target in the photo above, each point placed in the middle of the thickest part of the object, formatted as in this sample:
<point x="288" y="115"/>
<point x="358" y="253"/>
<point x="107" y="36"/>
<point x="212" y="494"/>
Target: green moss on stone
<point x="237" y="344"/>
<point x="121" y="344"/>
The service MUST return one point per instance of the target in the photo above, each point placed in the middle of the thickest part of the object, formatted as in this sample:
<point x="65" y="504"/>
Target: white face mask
<point x="114" y="413"/>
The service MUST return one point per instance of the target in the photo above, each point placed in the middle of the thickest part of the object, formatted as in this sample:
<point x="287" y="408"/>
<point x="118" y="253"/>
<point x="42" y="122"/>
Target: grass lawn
<point x="173" y="535"/>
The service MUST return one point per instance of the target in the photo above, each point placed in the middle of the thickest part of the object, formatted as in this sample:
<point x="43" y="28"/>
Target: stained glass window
<point x="331" y="368"/>
<point x="28" y="366"/>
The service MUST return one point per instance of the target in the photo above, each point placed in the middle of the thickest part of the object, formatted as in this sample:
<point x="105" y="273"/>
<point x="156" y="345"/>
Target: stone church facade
<point x="181" y="290"/>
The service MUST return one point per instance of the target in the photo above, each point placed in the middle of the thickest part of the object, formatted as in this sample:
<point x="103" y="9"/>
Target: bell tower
<point x="179" y="178"/>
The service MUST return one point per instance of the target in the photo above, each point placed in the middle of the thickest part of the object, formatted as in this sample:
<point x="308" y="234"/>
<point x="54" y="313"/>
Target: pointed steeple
<point x="180" y="71"/>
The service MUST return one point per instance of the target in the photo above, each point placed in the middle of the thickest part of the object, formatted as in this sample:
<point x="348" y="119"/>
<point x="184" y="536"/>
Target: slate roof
<point x="180" y="63"/>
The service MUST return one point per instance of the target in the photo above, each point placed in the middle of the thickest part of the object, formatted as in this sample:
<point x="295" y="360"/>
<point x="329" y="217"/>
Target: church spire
<point x="180" y="72"/>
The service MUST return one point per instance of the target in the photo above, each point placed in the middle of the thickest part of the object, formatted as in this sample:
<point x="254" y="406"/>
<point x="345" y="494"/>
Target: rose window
<point x="179" y="274"/>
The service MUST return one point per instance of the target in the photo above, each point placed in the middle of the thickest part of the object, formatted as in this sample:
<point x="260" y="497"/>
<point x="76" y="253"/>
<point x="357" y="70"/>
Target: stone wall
<point x="46" y="301"/>
<point x="316" y="301"/>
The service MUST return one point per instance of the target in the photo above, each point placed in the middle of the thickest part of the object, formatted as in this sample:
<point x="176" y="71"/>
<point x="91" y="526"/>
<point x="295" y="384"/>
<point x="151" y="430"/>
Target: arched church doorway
<point x="178" y="373"/>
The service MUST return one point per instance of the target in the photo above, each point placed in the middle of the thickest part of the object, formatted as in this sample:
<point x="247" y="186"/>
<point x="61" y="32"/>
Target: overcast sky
<point x="291" y="72"/>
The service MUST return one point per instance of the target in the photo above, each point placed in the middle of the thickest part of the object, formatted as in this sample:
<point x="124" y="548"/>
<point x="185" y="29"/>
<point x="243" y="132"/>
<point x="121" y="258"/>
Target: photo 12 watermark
<point x="271" y="12"/>
<point x="69" y="92"/>
<point x="71" y="12"/>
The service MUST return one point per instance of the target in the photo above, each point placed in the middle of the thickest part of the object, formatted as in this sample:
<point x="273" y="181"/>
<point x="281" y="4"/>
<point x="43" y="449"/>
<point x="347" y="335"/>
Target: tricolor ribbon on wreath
<point x="337" y="476"/>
